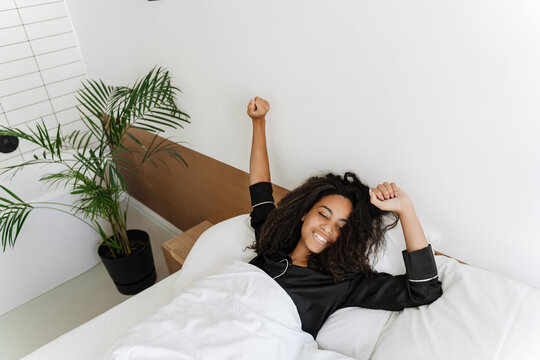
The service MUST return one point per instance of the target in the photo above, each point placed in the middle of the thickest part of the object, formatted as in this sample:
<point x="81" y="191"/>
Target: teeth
<point x="320" y="238"/>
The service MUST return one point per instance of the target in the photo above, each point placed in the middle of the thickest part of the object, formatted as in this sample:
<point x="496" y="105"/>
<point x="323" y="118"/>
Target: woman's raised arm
<point x="259" y="168"/>
<point x="391" y="198"/>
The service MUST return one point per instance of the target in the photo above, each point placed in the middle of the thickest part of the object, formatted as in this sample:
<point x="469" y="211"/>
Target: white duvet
<point x="237" y="313"/>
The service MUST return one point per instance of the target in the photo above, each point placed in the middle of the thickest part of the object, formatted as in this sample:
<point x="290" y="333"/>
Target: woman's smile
<point x="320" y="238"/>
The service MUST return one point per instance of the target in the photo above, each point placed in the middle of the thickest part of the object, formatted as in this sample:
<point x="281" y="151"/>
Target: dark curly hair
<point x="361" y="237"/>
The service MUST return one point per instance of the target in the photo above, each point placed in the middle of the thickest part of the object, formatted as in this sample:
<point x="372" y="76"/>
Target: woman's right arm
<point x="260" y="188"/>
<point x="259" y="168"/>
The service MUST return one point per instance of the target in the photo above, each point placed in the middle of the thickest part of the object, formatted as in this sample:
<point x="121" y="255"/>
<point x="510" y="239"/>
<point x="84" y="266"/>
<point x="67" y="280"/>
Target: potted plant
<point x="92" y="162"/>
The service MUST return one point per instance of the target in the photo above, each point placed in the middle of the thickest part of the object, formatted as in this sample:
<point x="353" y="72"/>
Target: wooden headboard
<point x="185" y="196"/>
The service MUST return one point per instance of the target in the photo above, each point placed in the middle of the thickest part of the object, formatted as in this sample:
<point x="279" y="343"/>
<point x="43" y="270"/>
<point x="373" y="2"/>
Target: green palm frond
<point x="80" y="140"/>
<point x="51" y="145"/>
<point x="57" y="178"/>
<point x="160" y="147"/>
<point x="13" y="214"/>
<point x="150" y="102"/>
<point x="14" y="169"/>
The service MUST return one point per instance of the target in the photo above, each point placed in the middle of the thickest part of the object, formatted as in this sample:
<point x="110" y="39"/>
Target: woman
<point x="316" y="244"/>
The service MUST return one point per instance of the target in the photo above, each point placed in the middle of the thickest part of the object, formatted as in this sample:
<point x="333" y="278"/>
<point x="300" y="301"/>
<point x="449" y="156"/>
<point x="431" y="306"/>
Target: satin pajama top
<point x="316" y="294"/>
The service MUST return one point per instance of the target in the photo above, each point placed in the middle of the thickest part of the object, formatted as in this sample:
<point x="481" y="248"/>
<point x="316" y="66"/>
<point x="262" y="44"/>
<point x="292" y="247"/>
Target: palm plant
<point x="93" y="170"/>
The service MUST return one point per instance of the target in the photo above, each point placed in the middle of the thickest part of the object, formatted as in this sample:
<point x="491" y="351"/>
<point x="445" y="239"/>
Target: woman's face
<point x="323" y="223"/>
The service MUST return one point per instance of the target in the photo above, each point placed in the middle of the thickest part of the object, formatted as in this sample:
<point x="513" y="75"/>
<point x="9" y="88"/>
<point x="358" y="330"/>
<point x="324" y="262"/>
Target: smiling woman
<point x="317" y="243"/>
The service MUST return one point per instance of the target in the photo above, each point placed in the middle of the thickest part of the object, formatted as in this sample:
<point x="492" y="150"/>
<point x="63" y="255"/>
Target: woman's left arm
<point x="391" y="198"/>
<point x="420" y="285"/>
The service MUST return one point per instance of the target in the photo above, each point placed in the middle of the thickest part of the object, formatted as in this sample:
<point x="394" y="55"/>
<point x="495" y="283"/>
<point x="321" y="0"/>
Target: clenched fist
<point x="389" y="197"/>
<point x="257" y="108"/>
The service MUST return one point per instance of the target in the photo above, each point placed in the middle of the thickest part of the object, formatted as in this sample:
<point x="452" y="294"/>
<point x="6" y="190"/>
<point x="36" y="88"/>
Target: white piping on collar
<point x="284" y="271"/>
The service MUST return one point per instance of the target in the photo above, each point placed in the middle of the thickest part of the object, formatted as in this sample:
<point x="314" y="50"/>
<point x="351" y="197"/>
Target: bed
<point x="220" y="307"/>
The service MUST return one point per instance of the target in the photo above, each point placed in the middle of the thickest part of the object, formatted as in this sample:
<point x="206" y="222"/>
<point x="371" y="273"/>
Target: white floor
<point x="48" y="316"/>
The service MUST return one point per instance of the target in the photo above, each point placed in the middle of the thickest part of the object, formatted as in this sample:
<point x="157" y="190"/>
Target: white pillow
<point x="217" y="246"/>
<point x="391" y="260"/>
<point x="350" y="331"/>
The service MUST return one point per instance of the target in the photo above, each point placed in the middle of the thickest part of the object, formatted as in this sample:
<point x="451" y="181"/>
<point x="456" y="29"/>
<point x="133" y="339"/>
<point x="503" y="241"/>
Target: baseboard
<point x="155" y="217"/>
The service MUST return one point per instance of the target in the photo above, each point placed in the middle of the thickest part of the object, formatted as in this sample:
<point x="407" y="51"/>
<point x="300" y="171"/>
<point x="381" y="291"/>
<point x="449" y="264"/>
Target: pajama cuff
<point x="261" y="193"/>
<point x="420" y="264"/>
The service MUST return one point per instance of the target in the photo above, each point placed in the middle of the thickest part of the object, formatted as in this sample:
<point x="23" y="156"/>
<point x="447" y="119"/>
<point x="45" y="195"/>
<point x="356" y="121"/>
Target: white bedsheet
<point x="237" y="313"/>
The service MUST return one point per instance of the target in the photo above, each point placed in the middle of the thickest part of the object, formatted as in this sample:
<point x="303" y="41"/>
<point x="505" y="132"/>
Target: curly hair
<point x="361" y="237"/>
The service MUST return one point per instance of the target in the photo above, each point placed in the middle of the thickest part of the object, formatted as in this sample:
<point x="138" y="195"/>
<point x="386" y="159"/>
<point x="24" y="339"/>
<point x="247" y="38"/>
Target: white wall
<point x="440" y="97"/>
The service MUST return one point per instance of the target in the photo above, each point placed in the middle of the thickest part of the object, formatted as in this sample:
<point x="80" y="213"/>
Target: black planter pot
<point x="134" y="273"/>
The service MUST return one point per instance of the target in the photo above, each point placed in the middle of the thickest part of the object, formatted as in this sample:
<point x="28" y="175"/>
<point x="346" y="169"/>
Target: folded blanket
<point x="237" y="313"/>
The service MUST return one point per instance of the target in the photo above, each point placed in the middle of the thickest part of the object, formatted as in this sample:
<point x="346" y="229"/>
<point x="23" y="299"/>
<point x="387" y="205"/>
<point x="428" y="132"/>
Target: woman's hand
<point x="257" y="108"/>
<point x="389" y="197"/>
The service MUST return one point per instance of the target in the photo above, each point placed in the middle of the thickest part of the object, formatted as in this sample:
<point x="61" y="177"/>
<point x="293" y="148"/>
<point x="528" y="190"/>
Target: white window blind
<point x="41" y="69"/>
